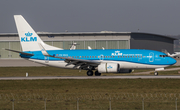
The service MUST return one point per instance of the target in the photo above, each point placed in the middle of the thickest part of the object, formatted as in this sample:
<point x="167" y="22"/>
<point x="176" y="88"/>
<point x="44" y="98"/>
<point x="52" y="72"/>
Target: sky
<point x="151" y="16"/>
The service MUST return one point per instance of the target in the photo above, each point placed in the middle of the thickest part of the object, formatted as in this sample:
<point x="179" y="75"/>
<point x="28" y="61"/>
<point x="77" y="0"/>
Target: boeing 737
<point x="100" y="60"/>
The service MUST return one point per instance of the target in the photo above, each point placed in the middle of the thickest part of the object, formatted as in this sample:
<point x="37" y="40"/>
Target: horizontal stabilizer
<point x="28" y="54"/>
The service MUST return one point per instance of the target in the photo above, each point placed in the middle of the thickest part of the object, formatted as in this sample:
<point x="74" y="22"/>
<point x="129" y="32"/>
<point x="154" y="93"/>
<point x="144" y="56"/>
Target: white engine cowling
<point x="109" y="68"/>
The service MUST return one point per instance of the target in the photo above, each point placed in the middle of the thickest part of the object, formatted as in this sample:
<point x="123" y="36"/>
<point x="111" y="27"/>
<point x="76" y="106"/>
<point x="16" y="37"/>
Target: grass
<point x="175" y="72"/>
<point x="39" y="71"/>
<point x="145" y="70"/>
<point x="172" y="67"/>
<point x="44" y="71"/>
<point x="90" y="89"/>
<point x="91" y="86"/>
<point x="53" y="71"/>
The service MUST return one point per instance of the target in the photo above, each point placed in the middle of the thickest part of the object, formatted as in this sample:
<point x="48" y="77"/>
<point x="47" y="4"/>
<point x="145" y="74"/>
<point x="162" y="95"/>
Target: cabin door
<point x="151" y="57"/>
<point x="46" y="58"/>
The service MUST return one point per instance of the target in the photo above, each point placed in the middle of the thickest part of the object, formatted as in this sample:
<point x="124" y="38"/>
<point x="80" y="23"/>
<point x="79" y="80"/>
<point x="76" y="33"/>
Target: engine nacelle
<point x="109" y="68"/>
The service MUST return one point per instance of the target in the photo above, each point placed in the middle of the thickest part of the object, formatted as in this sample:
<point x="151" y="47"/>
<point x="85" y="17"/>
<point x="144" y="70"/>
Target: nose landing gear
<point x="90" y="73"/>
<point x="155" y="73"/>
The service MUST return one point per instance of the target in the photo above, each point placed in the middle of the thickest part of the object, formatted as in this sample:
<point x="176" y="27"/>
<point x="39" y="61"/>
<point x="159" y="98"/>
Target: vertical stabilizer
<point x="28" y="37"/>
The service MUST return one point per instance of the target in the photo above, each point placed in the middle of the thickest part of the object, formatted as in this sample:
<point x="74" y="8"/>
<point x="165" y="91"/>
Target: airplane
<point x="100" y="60"/>
<point x="73" y="46"/>
<point x="174" y="55"/>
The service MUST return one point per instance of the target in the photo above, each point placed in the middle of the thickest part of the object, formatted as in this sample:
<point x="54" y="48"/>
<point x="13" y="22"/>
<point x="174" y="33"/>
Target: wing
<point x="78" y="63"/>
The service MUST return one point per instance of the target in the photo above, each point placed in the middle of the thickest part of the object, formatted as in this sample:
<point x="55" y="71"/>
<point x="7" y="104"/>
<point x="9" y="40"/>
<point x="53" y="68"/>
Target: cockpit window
<point x="163" y="56"/>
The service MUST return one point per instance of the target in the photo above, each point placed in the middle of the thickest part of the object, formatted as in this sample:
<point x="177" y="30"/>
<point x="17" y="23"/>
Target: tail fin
<point x="28" y="38"/>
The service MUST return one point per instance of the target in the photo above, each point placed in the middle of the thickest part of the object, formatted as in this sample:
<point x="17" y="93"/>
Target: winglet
<point x="44" y="52"/>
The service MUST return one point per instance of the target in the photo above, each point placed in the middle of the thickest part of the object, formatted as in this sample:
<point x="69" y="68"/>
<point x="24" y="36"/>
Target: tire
<point x="155" y="73"/>
<point x="90" y="73"/>
<point x="97" y="73"/>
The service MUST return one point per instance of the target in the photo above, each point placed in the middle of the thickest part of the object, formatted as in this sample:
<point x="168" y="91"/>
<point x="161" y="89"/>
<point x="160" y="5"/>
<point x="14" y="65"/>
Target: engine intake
<point x="109" y="68"/>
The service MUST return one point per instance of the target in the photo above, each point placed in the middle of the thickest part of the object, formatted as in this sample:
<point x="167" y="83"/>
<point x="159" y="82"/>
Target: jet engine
<point x="109" y="68"/>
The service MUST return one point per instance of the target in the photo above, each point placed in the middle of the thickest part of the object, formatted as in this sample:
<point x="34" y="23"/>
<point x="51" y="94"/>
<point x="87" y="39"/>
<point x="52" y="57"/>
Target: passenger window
<point x="163" y="55"/>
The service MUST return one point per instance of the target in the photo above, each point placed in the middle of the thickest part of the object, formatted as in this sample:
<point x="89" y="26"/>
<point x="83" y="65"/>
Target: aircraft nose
<point x="172" y="61"/>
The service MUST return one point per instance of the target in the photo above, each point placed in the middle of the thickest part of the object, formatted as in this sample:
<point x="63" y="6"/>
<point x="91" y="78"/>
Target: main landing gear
<point x="97" y="73"/>
<point x="90" y="73"/>
<point x="155" y="73"/>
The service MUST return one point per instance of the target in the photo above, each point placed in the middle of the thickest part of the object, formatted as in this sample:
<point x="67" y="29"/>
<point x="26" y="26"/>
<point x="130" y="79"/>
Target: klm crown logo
<point x="28" y="34"/>
<point x="109" y="67"/>
<point x="28" y="38"/>
<point x="117" y="53"/>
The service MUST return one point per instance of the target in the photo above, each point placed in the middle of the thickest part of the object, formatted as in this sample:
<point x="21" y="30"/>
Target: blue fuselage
<point x="148" y="57"/>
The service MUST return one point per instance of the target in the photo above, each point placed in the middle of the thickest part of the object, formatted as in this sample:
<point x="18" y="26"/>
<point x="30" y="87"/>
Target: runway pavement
<point x="17" y="63"/>
<point x="91" y="77"/>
